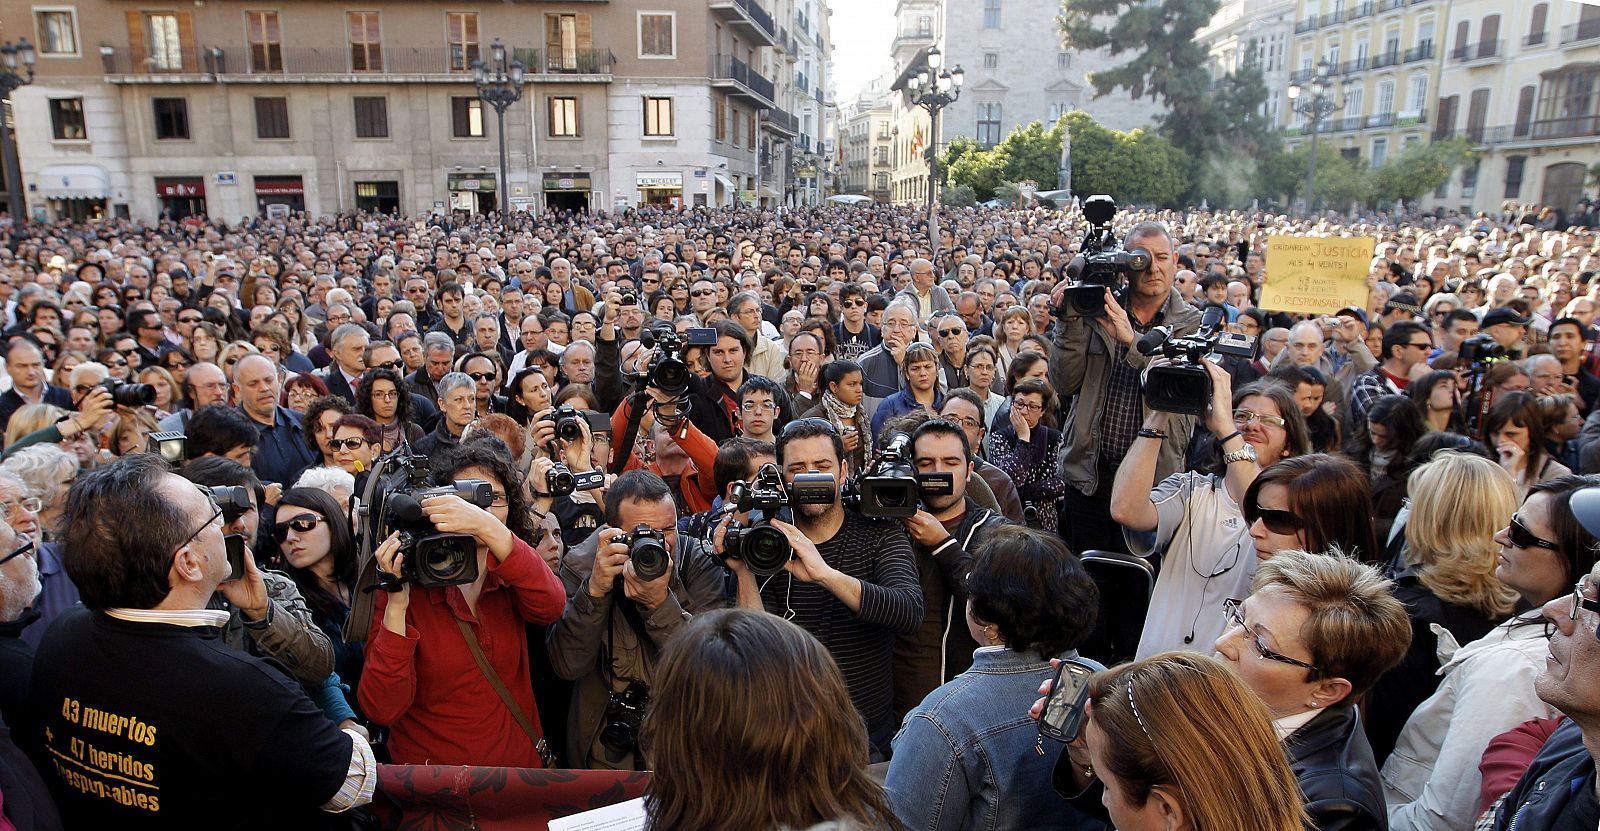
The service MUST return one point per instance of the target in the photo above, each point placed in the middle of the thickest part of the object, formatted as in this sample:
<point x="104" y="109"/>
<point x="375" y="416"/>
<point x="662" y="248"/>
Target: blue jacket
<point x="899" y="404"/>
<point x="282" y="454"/>
<point x="965" y="757"/>
<point x="1562" y="767"/>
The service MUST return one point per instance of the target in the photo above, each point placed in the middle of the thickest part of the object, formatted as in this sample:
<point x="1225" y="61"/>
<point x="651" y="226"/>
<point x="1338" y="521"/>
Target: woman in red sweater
<point x="420" y="678"/>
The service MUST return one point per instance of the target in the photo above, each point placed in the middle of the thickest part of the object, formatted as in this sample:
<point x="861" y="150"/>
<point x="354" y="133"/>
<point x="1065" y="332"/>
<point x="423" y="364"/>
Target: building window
<point x="924" y="26"/>
<point x="656" y="38"/>
<point x="1536" y="24"/>
<point x="466" y="117"/>
<point x="564" y="36"/>
<point x="1417" y="94"/>
<point x="1380" y="152"/>
<point x="991" y="60"/>
<point x="172" y="117"/>
<point x="1469" y="179"/>
<point x="736" y="129"/>
<point x="272" y="118"/>
<point x="66" y="119"/>
<point x="372" y="116"/>
<point x="657" y="116"/>
<point x="881" y="181"/>
<point x="1063" y="60"/>
<point x="564" y="117"/>
<point x="378" y="197"/>
<point x="1514" y="167"/>
<point x="991" y="14"/>
<point x="989" y="124"/>
<point x="163" y="42"/>
<point x="722" y="118"/>
<point x="265" y="34"/>
<point x="57" y="31"/>
<point x="1385" y="98"/>
<point x="366" y="41"/>
<point x="461" y="29"/>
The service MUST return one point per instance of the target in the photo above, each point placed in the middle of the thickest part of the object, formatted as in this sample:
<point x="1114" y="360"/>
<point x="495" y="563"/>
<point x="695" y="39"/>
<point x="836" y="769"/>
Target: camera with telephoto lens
<point x="763" y="548"/>
<point x="1102" y="263"/>
<point x="1184" y="387"/>
<point x="647" y="550"/>
<point x="890" y="485"/>
<point x="124" y="394"/>
<point x="567" y="421"/>
<point x="1481" y="349"/>
<point x="433" y="558"/>
<point x="624" y="714"/>
<point x="562" y="481"/>
<point x="669" y="370"/>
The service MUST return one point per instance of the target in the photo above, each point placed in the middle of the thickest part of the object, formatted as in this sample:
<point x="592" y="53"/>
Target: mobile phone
<point x="1570" y="380"/>
<point x="236" y="555"/>
<point x="1067" y="707"/>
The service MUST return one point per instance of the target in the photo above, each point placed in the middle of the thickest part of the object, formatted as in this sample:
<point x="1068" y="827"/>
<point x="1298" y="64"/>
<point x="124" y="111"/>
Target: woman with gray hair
<point x="48" y="471"/>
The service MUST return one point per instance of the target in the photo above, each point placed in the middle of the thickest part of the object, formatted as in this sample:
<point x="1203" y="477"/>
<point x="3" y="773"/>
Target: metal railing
<point x="1386" y="59"/>
<point x="1380" y="120"/>
<point x="1478" y="51"/>
<point x="1359" y="11"/>
<point x="594" y="61"/>
<point x="1580" y="31"/>
<point x="727" y="67"/>
<point x="781" y="119"/>
<point x="1306" y="25"/>
<point x="273" y="60"/>
<point x="1535" y="39"/>
<point x="1555" y="128"/>
<point x="1390" y="5"/>
<point x="1331" y="18"/>
<point x="1419" y="53"/>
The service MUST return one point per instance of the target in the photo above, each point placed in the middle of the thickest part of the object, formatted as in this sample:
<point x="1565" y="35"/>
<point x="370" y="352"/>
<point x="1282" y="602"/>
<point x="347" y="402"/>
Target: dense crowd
<point x="1348" y="584"/>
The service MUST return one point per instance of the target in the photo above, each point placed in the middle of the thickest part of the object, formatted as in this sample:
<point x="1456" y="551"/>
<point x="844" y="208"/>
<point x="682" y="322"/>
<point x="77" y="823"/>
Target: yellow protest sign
<point x="1316" y="275"/>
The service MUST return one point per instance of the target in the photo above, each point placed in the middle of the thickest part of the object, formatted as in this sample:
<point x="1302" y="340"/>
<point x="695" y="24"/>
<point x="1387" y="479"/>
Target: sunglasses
<point x="394" y="365"/>
<point x="702" y="293"/>
<point x="1521" y="537"/>
<point x="190" y="319"/>
<point x="950" y="333"/>
<point x="301" y="524"/>
<point x="481" y="376"/>
<point x="1278" y="522"/>
<point x="352" y="443"/>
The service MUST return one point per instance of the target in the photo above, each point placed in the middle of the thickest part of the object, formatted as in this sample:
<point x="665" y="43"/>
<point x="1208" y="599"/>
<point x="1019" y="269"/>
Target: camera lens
<point x="561" y="481"/>
<point x="568" y="429"/>
<point x="765" y="550"/>
<point x="671" y="376"/>
<point x="649" y="558"/>
<point x="130" y="395"/>
<point x="446" y="560"/>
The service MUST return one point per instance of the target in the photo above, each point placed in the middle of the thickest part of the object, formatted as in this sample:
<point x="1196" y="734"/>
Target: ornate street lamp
<point x="500" y="86"/>
<point x="1317" y="102"/>
<point x="933" y="88"/>
<point x="12" y="56"/>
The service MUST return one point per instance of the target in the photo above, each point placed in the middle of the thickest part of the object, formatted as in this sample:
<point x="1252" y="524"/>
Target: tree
<point x="1032" y="152"/>
<point x="982" y="171"/>
<point x="956" y="149"/>
<point x="1421" y="168"/>
<point x="1137" y="167"/>
<point x="958" y="196"/>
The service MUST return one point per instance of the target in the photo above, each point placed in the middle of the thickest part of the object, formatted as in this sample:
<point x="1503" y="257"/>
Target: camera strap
<point x="539" y="744"/>
<point x="622" y="446"/>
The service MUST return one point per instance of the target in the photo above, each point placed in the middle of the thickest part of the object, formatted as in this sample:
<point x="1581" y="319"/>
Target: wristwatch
<point x="1247" y="453"/>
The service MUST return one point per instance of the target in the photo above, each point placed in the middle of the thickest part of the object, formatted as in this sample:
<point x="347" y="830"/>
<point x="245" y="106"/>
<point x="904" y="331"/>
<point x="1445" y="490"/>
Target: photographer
<point x="852" y="581"/>
<point x="1094" y="363"/>
<point x="440" y="706"/>
<point x="676" y="449"/>
<point x="943" y="531"/>
<point x="615" y="622"/>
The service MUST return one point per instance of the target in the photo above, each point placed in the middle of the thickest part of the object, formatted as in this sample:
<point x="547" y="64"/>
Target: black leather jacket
<point x="1333" y="764"/>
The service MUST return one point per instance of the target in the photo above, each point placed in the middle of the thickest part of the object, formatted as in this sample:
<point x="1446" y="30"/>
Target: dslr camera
<point x="1481" y="349"/>
<point x="624" y="714"/>
<point x="562" y="481"/>
<point x="890" y="485"/>
<point x="763" y="548"/>
<point x="1102" y="263"/>
<point x="1184" y="386"/>
<point x="433" y="559"/>
<point x="124" y="394"/>
<point x="647" y="550"/>
<point x="668" y="370"/>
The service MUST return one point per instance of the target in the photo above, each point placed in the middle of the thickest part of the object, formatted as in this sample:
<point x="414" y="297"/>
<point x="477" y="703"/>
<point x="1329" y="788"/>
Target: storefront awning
<point x="768" y="193"/>
<point x="725" y="182"/>
<point x="73" y="181"/>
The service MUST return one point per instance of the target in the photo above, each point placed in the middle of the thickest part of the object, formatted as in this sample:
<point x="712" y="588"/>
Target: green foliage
<point x="982" y="172"/>
<point x="1032" y="152"/>
<point x="958" y="196"/>
<point x="1422" y="167"/>
<point x="1137" y="167"/>
<point x="955" y="150"/>
<point x="1009" y="194"/>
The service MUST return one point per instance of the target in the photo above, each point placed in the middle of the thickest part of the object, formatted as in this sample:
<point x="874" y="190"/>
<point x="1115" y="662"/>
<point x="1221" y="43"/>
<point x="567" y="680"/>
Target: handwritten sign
<point x="1316" y="275"/>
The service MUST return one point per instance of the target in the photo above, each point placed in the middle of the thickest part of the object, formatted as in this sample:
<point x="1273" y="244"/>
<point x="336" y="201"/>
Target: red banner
<point x="497" y="799"/>
<point x="186" y="188"/>
<point x="285" y="186"/>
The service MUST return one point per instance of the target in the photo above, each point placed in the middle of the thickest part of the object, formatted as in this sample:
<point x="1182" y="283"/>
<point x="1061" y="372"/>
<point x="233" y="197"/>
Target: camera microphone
<point x="1211" y="318"/>
<point x="1153" y="339"/>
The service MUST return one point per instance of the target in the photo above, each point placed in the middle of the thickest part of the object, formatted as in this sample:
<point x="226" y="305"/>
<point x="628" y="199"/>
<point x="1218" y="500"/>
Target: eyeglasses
<point x="1423" y="345"/>
<point x="1026" y="406"/>
<point x="950" y="333"/>
<point x="118" y="362"/>
<point x="396" y="365"/>
<point x="1232" y="608"/>
<point x="301" y="524"/>
<point x="1242" y="416"/>
<point x="1278" y="522"/>
<point x="352" y="443"/>
<point x="1579" y="602"/>
<point x="29" y="504"/>
<point x="851" y="304"/>
<point x="25" y="547"/>
<point x="386" y="394"/>
<point x="1521" y="537"/>
<point x="216" y="514"/>
<point x="702" y="293"/>
<point x="481" y="376"/>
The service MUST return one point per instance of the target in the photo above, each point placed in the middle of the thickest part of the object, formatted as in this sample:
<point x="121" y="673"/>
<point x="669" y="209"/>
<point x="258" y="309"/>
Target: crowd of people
<point x="1349" y="584"/>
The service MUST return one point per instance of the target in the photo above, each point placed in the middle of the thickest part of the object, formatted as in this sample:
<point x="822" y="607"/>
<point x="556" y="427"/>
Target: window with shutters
<point x="564" y="117"/>
<point x="466" y="117"/>
<point x="163" y="42"/>
<point x="57" y="31"/>
<point x="171" y="118"/>
<point x="736" y="128"/>
<point x="1536" y="24"/>
<point x="1514" y="167"/>
<point x="657" y="116"/>
<point x="656" y="36"/>
<point x="272" y="118"/>
<point x="461" y="30"/>
<point x="722" y="118"/>
<point x="66" y="119"/>
<point x="567" y="42"/>
<point x="1524" y="113"/>
<point x="1469" y="178"/>
<point x="371" y="116"/>
<point x="366" y="41"/>
<point x="265" y="34"/>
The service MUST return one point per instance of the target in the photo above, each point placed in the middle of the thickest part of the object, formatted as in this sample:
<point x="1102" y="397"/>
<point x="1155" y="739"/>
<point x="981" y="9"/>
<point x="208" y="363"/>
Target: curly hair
<point x="314" y="411"/>
<point x="1027" y="583"/>
<point x="402" y="412"/>
<point x="486" y="450"/>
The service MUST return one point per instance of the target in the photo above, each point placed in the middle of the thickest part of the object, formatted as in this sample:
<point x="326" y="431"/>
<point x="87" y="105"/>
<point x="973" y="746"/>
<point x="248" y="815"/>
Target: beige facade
<point x="869" y="142"/>
<point x="227" y="108"/>
<point x="1520" y="82"/>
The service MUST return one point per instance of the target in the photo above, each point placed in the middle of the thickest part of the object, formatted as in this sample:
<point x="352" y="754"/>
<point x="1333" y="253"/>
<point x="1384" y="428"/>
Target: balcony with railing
<point x="1332" y="18"/>
<point x="780" y="121"/>
<point x="1353" y="66"/>
<point x="1480" y="51"/>
<point x="1583" y="126"/>
<point x="1359" y="11"/>
<point x="1344" y="125"/>
<point x="1390" y="5"/>
<point x="1301" y="76"/>
<point x="748" y="15"/>
<point x="1386" y="59"/>
<point x="1420" y="52"/>
<point x="1377" y="120"/>
<point x="730" y="73"/>
<point x="1535" y="39"/>
<point x="1580" y="32"/>
<point x="273" y="63"/>
<point x="1306" y="25"/>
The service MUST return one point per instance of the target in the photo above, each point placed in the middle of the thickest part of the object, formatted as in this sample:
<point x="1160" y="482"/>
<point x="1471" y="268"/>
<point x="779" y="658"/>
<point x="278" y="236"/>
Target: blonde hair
<point x="1185" y="722"/>
<point x="30" y="418"/>
<point x="1459" y="501"/>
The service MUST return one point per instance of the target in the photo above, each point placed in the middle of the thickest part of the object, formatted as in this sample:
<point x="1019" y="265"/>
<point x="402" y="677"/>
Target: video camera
<point x="669" y="369"/>
<point x="1102" y="262"/>
<point x="765" y="549"/>
<point x="890" y="485"/>
<point x="562" y="481"/>
<point x="433" y="558"/>
<point x="1185" y="387"/>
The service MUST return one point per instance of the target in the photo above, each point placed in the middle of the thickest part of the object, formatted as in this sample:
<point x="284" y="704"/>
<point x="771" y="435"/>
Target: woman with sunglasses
<point x="1194" y="518"/>
<point x="1315" y="502"/>
<point x="919" y="374"/>
<point x="356" y="442"/>
<point x="319" y="553"/>
<point x="1431" y="779"/>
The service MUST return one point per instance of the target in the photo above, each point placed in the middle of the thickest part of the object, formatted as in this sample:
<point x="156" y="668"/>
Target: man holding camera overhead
<point x="851" y="581"/>
<point x="625" y="600"/>
<point x="1094" y="360"/>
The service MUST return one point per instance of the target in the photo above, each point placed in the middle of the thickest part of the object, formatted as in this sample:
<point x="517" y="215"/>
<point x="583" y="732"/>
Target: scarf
<point x="842" y="414"/>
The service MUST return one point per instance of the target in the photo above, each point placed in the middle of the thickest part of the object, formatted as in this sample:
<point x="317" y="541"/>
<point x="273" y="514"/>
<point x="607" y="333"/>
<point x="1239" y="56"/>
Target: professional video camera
<point x="124" y="394"/>
<point x="562" y="481"/>
<point x="433" y="559"/>
<point x="647" y="550"/>
<point x="765" y="549"/>
<point x="669" y="370"/>
<point x="1102" y="262"/>
<point x="890" y="485"/>
<point x="1185" y="387"/>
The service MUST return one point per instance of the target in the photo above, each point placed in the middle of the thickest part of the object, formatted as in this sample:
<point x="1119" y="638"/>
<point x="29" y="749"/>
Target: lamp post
<point x="500" y="86"/>
<point x="933" y="88"/>
<point x="10" y="79"/>
<point x="1317" y="102"/>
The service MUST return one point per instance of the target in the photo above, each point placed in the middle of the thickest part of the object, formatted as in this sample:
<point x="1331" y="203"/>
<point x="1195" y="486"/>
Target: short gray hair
<point x="736" y="302"/>
<point x="437" y="340"/>
<point x="453" y="381"/>
<point x="332" y="481"/>
<point x="345" y="331"/>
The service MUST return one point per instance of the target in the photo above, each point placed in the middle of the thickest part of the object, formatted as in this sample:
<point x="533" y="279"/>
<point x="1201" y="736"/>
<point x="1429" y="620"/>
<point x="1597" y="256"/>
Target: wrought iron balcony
<point x="732" y="73"/>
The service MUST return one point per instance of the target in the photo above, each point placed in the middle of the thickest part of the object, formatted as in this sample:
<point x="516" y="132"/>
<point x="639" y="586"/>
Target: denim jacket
<point x="965" y="757"/>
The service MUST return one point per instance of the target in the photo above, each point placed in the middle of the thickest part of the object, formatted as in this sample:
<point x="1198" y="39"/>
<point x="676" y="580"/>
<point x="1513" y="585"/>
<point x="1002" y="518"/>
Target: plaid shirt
<point x="1124" y="406"/>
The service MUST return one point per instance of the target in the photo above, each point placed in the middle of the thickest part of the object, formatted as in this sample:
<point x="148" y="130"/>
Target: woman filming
<point x="421" y="676"/>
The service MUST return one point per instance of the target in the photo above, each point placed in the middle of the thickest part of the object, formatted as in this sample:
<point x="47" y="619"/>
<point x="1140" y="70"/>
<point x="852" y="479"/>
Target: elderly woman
<point x="961" y="763"/>
<point x="49" y="472"/>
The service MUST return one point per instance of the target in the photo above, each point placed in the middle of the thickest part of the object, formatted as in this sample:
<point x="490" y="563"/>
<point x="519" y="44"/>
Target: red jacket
<point x="697" y="483"/>
<point x="424" y="684"/>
